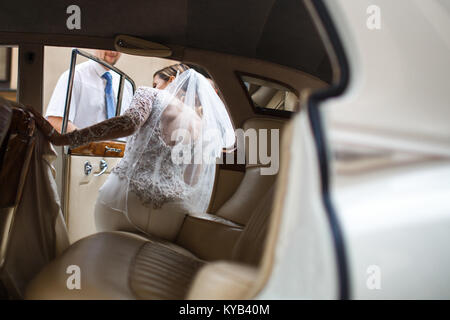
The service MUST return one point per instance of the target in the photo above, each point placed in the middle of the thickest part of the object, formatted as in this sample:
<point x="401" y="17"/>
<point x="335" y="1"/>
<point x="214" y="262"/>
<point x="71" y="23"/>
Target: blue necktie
<point x="109" y="96"/>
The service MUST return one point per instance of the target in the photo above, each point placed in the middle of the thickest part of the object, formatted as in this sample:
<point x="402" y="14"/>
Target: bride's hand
<point x="46" y="128"/>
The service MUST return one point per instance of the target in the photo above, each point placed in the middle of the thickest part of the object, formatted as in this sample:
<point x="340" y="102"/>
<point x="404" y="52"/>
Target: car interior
<point x="226" y="253"/>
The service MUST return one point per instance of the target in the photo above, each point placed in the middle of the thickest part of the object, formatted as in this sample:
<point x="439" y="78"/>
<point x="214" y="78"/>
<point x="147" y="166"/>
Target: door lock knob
<point x="87" y="168"/>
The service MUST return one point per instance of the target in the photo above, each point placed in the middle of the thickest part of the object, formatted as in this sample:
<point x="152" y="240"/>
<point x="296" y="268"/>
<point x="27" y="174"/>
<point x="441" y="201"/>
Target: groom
<point x="94" y="94"/>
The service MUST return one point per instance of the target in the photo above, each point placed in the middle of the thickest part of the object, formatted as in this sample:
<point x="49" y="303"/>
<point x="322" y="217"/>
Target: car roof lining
<point x="275" y="31"/>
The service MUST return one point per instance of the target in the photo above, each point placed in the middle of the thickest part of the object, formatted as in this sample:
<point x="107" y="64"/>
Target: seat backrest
<point x="250" y="245"/>
<point x="264" y="95"/>
<point x="254" y="185"/>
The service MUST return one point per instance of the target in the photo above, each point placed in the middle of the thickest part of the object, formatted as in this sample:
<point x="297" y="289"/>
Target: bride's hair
<point x="174" y="71"/>
<point x="171" y="71"/>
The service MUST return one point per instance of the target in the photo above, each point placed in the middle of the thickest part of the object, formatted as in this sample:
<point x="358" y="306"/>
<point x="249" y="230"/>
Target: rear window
<point x="269" y="96"/>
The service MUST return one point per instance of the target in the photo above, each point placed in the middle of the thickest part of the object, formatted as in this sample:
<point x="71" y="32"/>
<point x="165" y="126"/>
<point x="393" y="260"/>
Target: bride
<point x="178" y="129"/>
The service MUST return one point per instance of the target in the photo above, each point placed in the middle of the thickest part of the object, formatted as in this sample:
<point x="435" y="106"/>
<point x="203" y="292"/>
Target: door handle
<point x="103" y="167"/>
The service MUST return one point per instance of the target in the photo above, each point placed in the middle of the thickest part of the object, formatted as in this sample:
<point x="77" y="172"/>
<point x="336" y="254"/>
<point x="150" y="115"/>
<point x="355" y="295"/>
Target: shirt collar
<point x="98" y="68"/>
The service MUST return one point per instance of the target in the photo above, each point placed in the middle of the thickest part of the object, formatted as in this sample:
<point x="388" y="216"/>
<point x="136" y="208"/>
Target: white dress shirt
<point x="88" y="105"/>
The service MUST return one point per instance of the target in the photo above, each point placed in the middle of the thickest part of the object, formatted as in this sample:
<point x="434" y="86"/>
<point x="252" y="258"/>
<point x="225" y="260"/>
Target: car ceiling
<point x="278" y="31"/>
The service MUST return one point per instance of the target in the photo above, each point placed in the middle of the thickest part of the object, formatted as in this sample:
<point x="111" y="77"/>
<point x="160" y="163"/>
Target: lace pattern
<point x="155" y="178"/>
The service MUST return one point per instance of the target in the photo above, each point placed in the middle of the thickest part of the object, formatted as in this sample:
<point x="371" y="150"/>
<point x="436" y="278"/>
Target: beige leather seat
<point x="122" y="265"/>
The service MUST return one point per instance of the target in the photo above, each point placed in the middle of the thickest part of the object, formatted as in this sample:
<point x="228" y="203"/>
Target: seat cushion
<point x="118" y="265"/>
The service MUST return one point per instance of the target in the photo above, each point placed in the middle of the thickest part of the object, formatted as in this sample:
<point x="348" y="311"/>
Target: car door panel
<point x="82" y="192"/>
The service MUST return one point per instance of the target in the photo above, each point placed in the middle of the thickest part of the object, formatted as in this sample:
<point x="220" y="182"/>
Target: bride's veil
<point x="194" y="125"/>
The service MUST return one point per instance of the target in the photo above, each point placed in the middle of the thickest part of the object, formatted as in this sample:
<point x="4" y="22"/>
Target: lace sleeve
<point x="124" y="125"/>
<point x="141" y="106"/>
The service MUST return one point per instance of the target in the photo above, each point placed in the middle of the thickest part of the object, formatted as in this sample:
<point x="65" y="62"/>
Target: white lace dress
<point x="155" y="179"/>
<point x="156" y="186"/>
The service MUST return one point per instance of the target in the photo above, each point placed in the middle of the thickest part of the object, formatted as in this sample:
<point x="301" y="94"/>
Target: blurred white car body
<point x="388" y="142"/>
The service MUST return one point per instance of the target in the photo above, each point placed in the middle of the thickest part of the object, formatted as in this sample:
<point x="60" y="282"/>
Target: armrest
<point x="223" y="281"/>
<point x="209" y="237"/>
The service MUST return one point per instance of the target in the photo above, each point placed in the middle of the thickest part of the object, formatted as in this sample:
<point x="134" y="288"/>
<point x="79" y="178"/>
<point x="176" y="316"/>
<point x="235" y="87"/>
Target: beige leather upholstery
<point x="254" y="185"/>
<point x="223" y="233"/>
<point x="161" y="272"/>
<point x="263" y="123"/>
<point x="226" y="183"/>
<point x="118" y="265"/>
<point x="249" y="193"/>
<point x="238" y="208"/>
<point x="223" y="281"/>
<point x="250" y="245"/>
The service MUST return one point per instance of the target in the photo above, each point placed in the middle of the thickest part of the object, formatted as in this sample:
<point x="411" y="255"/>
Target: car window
<point x="5" y="54"/>
<point x="269" y="96"/>
<point x="8" y="72"/>
<point x="98" y="91"/>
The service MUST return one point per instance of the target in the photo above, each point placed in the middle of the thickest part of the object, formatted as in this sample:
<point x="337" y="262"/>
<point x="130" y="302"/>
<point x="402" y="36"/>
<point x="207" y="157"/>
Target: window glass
<point x="89" y="98"/>
<point x="4" y="63"/>
<point x="266" y="94"/>
<point x="8" y="72"/>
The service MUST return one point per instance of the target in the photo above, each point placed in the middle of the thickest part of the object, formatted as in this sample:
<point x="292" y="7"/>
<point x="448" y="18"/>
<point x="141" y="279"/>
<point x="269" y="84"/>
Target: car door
<point x="86" y="168"/>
